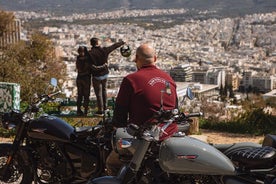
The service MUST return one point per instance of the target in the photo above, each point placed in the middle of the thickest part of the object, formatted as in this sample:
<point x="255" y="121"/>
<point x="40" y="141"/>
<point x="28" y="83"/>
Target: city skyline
<point x="237" y="45"/>
<point x="213" y="42"/>
<point x="65" y="7"/>
<point x="203" y="51"/>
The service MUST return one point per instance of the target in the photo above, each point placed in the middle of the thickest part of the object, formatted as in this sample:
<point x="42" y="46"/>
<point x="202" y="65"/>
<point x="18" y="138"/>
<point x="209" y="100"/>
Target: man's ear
<point x="155" y="58"/>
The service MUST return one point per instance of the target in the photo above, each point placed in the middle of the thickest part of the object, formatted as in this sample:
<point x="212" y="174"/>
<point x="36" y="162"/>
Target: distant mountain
<point x="64" y="7"/>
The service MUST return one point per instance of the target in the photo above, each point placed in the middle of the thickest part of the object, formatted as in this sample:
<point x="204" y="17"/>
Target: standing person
<point x="83" y="66"/>
<point x="99" y="56"/>
<point x="139" y="96"/>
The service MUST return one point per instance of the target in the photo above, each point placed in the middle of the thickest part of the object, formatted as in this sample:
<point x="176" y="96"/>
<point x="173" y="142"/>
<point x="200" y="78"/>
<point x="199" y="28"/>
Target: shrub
<point x="255" y="122"/>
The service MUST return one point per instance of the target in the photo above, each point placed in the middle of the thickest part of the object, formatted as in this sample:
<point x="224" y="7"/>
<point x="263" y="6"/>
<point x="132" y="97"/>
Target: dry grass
<point x="223" y="137"/>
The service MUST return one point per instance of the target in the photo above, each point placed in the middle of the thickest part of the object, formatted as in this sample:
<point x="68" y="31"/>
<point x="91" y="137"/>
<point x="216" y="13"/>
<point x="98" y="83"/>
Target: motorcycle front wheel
<point x="17" y="173"/>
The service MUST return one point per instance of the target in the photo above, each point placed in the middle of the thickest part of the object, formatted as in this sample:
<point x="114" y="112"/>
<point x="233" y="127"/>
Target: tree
<point x="5" y="19"/>
<point x="31" y="64"/>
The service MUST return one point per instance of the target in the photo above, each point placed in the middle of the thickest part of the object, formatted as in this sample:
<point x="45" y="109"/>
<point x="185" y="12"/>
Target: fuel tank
<point x="187" y="155"/>
<point x="51" y="128"/>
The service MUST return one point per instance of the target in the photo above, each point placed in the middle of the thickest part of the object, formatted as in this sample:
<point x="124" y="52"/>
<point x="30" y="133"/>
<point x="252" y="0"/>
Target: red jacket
<point x="140" y="96"/>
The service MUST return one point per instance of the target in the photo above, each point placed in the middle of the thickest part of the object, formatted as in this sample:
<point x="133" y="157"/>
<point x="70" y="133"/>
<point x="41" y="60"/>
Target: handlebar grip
<point x="53" y="94"/>
<point x="195" y="114"/>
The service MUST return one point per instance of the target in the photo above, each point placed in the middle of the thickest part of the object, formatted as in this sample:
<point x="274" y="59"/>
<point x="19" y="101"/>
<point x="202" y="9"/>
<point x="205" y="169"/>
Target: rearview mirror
<point x="53" y="82"/>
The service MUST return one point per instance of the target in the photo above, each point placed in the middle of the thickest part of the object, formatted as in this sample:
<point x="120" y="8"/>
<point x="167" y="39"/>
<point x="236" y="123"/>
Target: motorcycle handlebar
<point x="194" y="114"/>
<point x="42" y="99"/>
<point x="173" y="116"/>
<point x="54" y="94"/>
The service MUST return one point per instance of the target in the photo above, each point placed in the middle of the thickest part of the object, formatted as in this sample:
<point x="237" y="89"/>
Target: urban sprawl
<point x="205" y="54"/>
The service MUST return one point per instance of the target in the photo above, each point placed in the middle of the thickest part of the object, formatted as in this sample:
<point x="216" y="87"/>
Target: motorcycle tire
<point x="17" y="173"/>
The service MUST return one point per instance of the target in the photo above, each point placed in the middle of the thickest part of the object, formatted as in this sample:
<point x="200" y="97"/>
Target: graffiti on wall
<point x="9" y="96"/>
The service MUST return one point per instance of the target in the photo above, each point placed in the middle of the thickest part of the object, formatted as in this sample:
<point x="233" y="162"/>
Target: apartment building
<point x="199" y="76"/>
<point x="181" y="73"/>
<point x="200" y="91"/>
<point x="12" y="35"/>
<point x="232" y="79"/>
<point x="262" y="83"/>
<point x="273" y="66"/>
<point x="245" y="81"/>
<point x="216" y="76"/>
<point x="206" y="91"/>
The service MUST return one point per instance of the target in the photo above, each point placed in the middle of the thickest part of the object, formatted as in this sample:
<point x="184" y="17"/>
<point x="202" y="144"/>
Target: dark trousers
<point x="83" y="85"/>
<point x="100" y="92"/>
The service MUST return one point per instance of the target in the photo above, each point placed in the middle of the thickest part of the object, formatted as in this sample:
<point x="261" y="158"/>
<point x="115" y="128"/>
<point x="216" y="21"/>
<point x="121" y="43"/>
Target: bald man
<point x="140" y="92"/>
<point x="139" y="96"/>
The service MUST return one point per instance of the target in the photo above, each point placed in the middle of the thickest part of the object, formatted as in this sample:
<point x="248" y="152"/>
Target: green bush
<point x="7" y="133"/>
<point x="255" y="122"/>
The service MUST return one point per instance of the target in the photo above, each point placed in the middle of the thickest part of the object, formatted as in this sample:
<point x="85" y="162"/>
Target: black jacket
<point x="99" y="57"/>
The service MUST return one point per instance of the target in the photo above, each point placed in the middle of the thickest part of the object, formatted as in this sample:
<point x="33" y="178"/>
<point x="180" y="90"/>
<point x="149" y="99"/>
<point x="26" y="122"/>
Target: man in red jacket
<point x="99" y="56"/>
<point x="139" y="96"/>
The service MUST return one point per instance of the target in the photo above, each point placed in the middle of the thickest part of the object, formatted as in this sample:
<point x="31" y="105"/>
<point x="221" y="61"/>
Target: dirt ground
<point x="2" y="139"/>
<point x="223" y="137"/>
<point x="214" y="137"/>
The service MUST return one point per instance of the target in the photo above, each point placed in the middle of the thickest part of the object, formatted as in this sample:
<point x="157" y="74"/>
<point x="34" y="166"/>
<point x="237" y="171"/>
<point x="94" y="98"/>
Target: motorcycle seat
<point x="255" y="158"/>
<point x="87" y="130"/>
<point x="228" y="149"/>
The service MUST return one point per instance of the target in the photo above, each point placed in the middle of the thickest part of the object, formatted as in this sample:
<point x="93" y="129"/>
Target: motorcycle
<point x="156" y="154"/>
<point x="47" y="149"/>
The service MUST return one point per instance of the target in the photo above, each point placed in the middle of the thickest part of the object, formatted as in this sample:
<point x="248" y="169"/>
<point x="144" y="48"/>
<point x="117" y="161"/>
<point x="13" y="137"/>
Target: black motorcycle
<point x="47" y="149"/>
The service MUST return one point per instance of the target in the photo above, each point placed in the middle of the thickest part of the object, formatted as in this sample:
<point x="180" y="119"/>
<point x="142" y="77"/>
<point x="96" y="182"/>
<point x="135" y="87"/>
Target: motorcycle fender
<point x="187" y="155"/>
<point x="105" y="180"/>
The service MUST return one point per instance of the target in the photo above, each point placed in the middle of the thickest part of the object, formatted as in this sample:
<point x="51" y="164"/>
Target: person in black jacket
<point x="99" y="57"/>
<point x="83" y="66"/>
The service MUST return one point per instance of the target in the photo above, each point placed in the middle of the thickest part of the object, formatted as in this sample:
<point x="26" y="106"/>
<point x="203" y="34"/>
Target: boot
<point x="85" y="111"/>
<point x="79" y="111"/>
